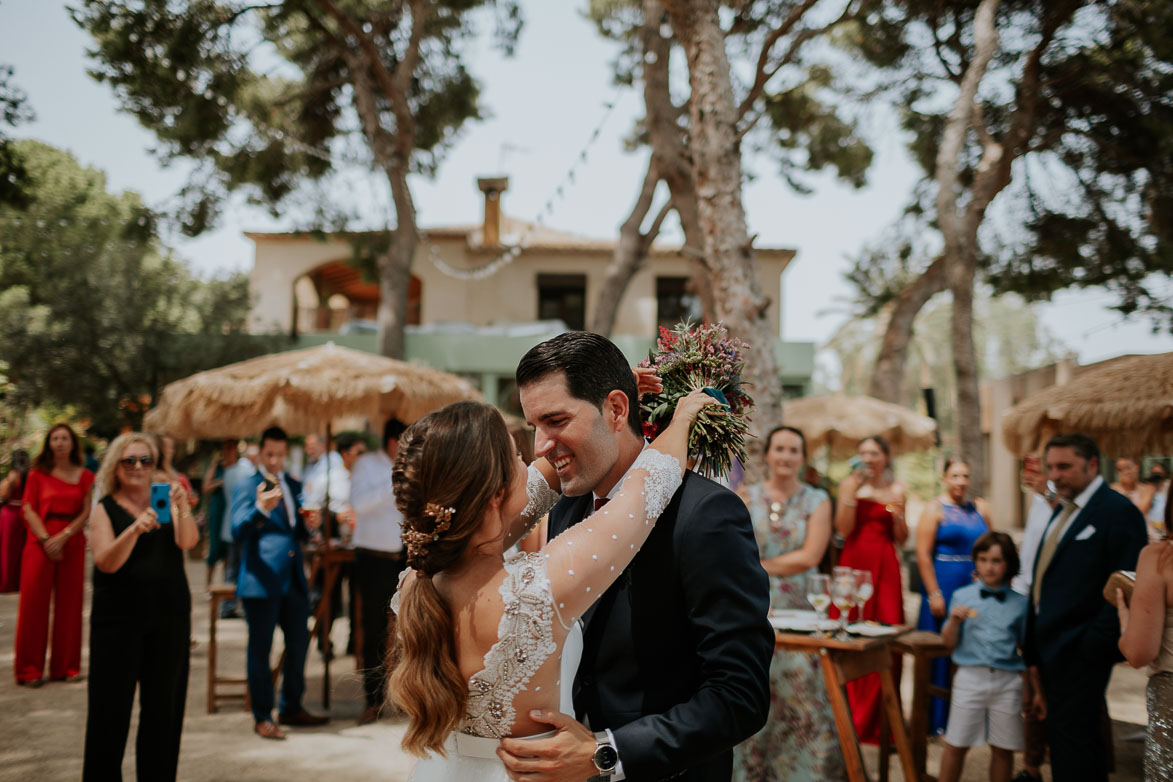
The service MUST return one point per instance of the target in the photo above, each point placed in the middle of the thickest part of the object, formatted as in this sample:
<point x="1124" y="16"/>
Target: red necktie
<point x="600" y="502"/>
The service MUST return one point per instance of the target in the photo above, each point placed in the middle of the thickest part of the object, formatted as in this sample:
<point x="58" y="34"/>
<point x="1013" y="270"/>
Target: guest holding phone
<point x="52" y="570"/>
<point x="871" y="518"/>
<point x="140" y="621"/>
<point x="268" y="523"/>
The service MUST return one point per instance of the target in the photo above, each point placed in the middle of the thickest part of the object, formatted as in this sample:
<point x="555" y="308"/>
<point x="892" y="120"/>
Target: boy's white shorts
<point x="985" y="708"/>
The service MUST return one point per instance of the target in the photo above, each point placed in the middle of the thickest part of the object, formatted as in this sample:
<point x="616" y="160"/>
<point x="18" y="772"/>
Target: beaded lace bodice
<point x="525" y="640"/>
<point x="560" y="583"/>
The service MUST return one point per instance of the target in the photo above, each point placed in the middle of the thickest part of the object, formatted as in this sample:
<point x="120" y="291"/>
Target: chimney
<point x="492" y="187"/>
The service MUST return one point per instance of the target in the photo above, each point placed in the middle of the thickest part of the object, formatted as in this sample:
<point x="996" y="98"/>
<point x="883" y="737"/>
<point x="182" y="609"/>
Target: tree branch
<point x="657" y="223"/>
<point x="790" y="56"/>
<point x="760" y="72"/>
<point x="952" y="140"/>
<point x="393" y="88"/>
<point x="231" y="18"/>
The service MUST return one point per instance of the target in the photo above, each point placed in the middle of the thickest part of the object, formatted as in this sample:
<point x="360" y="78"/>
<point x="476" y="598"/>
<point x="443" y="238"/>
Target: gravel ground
<point x="43" y="729"/>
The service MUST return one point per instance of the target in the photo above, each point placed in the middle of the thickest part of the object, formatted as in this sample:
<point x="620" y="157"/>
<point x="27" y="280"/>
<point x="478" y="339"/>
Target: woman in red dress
<point x="871" y="518"/>
<point x="12" y="531"/>
<point x="56" y="505"/>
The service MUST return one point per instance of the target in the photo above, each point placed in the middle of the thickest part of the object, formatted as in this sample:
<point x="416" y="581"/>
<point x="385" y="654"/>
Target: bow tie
<point x="600" y="502"/>
<point x="999" y="596"/>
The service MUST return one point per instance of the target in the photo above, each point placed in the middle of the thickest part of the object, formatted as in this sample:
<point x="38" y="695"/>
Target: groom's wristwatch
<point x="606" y="757"/>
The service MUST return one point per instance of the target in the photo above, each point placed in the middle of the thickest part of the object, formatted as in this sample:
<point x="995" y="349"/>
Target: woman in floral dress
<point x="792" y="523"/>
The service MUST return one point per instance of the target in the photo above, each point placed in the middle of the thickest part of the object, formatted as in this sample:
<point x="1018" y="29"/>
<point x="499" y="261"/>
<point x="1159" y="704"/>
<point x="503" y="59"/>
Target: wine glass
<point x="818" y="594"/>
<point x="863" y="589"/>
<point x="843" y="596"/>
<point x="308" y="509"/>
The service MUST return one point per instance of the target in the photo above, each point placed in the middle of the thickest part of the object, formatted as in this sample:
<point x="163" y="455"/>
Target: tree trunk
<point x="965" y="367"/>
<point x="631" y="252"/>
<point x="670" y="161"/>
<point x="961" y="244"/>
<point x="670" y="151"/>
<point x="395" y="270"/>
<point x="887" y="381"/>
<point x="716" y="159"/>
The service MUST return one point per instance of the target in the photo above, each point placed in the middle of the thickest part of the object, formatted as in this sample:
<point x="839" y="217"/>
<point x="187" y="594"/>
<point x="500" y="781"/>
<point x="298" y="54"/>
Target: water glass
<point x="864" y="589"/>
<point x="818" y="594"/>
<point x="843" y="596"/>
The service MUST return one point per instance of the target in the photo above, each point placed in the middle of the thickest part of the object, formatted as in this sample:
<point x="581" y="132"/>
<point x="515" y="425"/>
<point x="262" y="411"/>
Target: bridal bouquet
<point x="689" y="357"/>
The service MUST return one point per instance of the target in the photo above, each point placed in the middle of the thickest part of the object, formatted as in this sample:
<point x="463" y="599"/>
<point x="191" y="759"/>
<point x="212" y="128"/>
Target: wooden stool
<point x="217" y="595"/>
<point x="924" y="648"/>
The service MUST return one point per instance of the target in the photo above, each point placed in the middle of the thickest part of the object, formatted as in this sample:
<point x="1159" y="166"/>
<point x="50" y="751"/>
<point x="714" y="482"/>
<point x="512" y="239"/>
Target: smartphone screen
<point x="161" y="502"/>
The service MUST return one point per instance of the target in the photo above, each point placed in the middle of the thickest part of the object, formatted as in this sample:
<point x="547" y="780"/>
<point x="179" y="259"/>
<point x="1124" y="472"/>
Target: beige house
<point x="305" y="285"/>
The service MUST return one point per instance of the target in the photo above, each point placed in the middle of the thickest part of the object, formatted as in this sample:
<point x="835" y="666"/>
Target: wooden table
<point x="841" y="662"/>
<point x="328" y="558"/>
<point x="924" y="648"/>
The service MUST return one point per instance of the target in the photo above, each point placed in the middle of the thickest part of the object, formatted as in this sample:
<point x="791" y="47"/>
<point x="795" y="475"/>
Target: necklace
<point x="778" y="508"/>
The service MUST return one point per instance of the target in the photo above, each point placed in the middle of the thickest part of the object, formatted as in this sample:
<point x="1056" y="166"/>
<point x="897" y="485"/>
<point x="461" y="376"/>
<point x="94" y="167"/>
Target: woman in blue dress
<point x="945" y="535"/>
<point x="792" y="524"/>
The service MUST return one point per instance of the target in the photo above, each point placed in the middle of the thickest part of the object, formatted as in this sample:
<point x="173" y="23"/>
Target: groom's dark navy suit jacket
<point x="676" y="654"/>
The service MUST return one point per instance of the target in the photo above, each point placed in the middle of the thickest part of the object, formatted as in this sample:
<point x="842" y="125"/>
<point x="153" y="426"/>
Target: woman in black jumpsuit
<point x="140" y="621"/>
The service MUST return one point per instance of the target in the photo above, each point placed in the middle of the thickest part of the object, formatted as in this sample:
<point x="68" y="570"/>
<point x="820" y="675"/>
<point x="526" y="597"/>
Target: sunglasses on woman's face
<point x="131" y="461"/>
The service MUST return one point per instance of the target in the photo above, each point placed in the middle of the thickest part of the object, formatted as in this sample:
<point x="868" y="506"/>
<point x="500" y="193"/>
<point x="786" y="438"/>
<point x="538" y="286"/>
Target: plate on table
<point x="800" y="621"/>
<point x="872" y="629"/>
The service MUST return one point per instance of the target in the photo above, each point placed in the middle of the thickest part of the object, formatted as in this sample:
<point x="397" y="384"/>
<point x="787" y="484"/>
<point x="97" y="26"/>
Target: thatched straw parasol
<point x="1126" y="404"/>
<point x="841" y="421"/>
<point x="302" y="391"/>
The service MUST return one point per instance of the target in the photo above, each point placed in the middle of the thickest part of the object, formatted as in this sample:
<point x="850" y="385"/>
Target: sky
<point x="541" y="108"/>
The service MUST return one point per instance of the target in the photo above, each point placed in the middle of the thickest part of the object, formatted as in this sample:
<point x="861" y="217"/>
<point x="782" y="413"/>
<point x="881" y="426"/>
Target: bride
<point x="480" y="637"/>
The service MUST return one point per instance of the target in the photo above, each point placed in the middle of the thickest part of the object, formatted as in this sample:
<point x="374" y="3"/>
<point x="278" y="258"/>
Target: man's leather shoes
<point x="303" y="718"/>
<point x="369" y="714"/>
<point x="267" y="730"/>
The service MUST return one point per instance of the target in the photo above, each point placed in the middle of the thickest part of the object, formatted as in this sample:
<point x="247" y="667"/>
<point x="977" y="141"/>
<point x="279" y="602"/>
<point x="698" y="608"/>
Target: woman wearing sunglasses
<point x="56" y="504"/>
<point x="140" y="620"/>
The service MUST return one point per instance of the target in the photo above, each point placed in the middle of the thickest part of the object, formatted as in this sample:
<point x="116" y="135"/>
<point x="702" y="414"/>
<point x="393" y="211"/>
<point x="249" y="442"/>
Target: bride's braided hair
<point x="450" y="466"/>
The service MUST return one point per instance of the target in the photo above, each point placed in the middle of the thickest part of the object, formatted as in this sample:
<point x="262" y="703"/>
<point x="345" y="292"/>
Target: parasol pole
<point x="328" y="587"/>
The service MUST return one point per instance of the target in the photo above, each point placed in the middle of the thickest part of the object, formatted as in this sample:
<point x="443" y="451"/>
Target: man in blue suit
<point x="271" y="583"/>
<point x="1071" y="631"/>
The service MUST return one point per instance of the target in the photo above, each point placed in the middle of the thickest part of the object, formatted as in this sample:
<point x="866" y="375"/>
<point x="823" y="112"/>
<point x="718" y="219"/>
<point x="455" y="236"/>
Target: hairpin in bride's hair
<point x="417" y="540"/>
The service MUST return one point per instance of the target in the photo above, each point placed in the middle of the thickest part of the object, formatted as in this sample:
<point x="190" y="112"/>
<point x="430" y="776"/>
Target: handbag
<point x="1123" y="580"/>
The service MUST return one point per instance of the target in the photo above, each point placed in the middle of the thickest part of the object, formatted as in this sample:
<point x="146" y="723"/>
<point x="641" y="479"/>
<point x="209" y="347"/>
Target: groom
<point x="676" y="653"/>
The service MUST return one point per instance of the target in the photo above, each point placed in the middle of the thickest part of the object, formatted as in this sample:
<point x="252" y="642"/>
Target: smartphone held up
<point x="161" y="502"/>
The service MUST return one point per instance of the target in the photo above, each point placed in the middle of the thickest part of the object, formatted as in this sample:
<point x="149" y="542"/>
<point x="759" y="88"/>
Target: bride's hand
<point x="646" y="381"/>
<point x="690" y="406"/>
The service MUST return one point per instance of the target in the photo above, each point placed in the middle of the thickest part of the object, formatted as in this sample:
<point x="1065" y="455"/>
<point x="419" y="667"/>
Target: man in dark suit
<point x="1071" y="631"/>
<point x="271" y="584"/>
<point x="676" y="653"/>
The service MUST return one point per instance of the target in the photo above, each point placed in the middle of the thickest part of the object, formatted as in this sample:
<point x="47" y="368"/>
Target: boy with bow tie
<point x="984" y="629"/>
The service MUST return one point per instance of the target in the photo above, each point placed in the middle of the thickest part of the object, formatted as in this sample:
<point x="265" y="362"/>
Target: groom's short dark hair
<point x="593" y="366"/>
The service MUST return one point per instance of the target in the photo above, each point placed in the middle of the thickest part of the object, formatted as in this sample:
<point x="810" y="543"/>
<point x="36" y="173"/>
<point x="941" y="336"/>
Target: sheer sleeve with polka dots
<point x="540" y="497"/>
<point x="586" y="559"/>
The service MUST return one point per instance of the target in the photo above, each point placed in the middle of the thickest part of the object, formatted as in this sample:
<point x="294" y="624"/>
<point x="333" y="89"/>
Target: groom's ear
<point x="615" y="410"/>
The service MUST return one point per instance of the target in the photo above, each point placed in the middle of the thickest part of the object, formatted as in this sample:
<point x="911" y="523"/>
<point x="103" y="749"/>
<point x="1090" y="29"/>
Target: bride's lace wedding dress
<point x="534" y="660"/>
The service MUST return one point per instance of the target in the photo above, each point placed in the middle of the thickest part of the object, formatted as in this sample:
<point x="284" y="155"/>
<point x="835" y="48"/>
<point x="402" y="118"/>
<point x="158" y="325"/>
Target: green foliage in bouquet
<point x="690" y="357"/>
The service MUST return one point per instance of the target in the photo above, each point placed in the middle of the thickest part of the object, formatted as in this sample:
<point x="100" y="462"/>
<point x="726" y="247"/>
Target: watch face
<point x="605" y="757"/>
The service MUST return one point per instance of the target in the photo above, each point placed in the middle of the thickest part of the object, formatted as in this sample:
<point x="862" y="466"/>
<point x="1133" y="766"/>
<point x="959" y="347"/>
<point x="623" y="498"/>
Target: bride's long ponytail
<point x="450" y="465"/>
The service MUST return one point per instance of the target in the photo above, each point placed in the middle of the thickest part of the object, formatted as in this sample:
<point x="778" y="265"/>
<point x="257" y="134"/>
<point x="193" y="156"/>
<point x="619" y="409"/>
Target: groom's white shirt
<point x="618" y="775"/>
